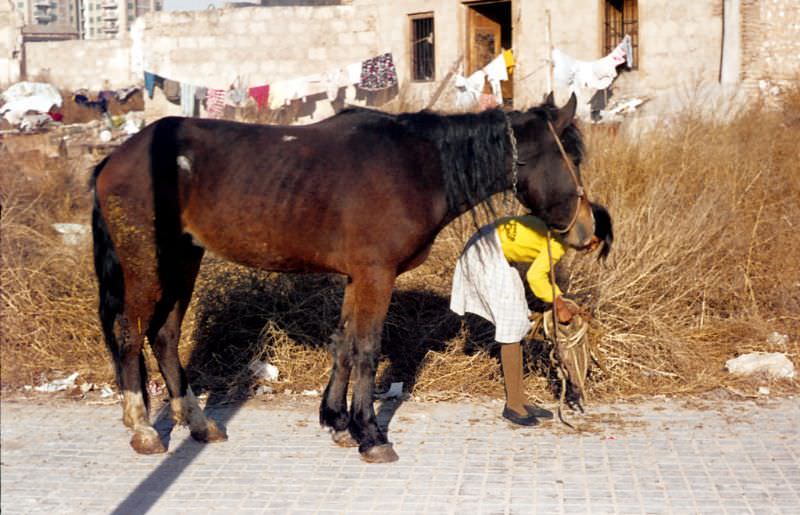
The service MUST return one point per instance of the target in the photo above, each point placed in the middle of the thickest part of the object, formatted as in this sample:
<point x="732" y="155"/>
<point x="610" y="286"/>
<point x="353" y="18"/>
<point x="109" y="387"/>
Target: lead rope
<point x="554" y="337"/>
<point x="514" y="165"/>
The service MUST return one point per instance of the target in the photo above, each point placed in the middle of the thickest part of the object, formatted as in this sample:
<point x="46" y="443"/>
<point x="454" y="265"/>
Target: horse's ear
<point x="548" y="99"/>
<point x="566" y="114"/>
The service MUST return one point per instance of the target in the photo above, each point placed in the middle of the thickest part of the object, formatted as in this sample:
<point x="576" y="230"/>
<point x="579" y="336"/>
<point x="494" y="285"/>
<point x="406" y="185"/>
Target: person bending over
<point x="485" y="283"/>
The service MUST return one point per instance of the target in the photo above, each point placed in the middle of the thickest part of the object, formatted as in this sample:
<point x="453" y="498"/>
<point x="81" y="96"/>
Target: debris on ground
<point x="58" y="385"/>
<point x="71" y="233"/>
<point x="264" y="370"/>
<point x="264" y="390"/>
<point x="395" y="391"/>
<point x="774" y="364"/>
<point x="28" y="97"/>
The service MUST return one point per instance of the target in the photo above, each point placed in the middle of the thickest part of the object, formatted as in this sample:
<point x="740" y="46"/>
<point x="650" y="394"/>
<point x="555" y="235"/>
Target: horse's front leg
<point x="373" y="292"/>
<point x="333" y="409"/>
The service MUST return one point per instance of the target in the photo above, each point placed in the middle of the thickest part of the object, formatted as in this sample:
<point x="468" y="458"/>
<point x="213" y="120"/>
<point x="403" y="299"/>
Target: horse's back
<point x="313" y="197"/>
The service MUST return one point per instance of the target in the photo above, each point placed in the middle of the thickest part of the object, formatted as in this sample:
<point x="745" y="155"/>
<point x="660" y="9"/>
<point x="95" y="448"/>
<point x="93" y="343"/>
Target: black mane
<point x="473" y="148"/>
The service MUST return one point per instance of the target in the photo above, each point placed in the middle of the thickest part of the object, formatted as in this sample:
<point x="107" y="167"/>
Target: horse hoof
<point x="147" y="442"/>
<point x="343" y="439"/>
<point x="380" y="454"/>
<point x="211" y="434"/>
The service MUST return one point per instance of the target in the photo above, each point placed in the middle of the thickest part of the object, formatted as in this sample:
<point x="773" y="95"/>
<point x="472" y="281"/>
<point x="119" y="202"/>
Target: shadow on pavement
<point x="233" y="306"/>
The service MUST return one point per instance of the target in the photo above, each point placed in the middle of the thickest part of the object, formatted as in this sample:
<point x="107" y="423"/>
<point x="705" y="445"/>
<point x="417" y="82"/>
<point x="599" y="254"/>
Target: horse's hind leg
<point x="133" y="372"/>
<point x="372" y="293"/>
<point x="165" y="338"/>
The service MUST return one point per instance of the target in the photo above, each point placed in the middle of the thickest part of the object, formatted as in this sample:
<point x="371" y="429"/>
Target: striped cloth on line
<point x="215" y="103"/>
<point x="486" y="285"/>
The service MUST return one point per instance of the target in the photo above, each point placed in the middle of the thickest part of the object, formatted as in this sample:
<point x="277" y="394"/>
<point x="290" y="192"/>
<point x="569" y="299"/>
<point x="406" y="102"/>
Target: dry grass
<point x="705" y="266"/>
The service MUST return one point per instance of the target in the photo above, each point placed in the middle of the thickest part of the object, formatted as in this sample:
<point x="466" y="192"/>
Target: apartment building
<point x="89" y="19"/>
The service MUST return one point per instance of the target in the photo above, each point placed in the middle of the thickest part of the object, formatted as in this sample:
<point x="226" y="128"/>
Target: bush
<point x="703" y="268"/>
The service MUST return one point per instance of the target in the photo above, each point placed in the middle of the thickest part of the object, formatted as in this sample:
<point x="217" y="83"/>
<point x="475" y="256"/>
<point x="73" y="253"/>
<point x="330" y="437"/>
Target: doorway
<point x="489" y="31"/>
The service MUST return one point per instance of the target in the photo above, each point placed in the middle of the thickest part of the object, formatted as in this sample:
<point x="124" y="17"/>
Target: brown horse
<point x="362" y="194"/>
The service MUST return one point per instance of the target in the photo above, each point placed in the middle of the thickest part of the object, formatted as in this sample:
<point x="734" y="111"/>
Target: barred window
<point x="621" y="17"/>
<point x="422" y="50"/>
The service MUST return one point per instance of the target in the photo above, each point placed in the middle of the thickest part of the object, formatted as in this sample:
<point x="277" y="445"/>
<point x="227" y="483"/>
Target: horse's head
<point x="550" y="149"/>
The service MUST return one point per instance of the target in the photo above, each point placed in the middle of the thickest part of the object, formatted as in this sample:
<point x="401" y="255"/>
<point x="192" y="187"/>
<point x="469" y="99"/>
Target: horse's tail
<point x="109" y="276"/>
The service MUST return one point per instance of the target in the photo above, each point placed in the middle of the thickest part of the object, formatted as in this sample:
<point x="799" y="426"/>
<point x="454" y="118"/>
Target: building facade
<point x="111" y="19"/>
<point x="88" y="19"/>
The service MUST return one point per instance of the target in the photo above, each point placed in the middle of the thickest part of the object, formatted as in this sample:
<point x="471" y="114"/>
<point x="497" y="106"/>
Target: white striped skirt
<point x="484" y="283"/>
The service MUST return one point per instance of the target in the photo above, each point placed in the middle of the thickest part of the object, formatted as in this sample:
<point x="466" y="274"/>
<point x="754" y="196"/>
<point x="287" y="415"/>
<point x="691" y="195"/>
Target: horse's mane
<point x="472" y="147"/>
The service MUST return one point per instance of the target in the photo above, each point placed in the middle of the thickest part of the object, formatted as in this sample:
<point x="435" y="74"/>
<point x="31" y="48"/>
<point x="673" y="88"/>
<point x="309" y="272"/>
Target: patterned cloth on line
<point x="378" y="73"/>
<point x="485" y="284"/>
<point x="215" y="103"/>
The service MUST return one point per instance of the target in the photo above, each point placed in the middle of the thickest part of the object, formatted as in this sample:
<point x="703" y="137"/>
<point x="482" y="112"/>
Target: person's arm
<point x="538" y="275"/>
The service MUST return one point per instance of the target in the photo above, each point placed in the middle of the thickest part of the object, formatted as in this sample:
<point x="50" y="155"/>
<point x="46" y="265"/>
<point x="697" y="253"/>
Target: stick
<point x="445" y="81"/>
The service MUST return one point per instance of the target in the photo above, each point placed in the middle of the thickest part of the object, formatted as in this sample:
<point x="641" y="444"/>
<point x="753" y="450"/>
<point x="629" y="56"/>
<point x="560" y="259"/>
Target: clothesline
<point x="373" y="74"/>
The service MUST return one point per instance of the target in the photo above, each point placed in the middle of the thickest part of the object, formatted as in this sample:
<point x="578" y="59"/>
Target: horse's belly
<point x="264" y="252"/>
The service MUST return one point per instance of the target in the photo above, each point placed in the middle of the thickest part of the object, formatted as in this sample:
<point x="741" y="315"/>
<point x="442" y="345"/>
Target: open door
<point x="488" y="33"/>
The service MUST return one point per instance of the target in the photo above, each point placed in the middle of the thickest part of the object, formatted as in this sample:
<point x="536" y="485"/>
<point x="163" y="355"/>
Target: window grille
<point x="422" y="48"/>
<point x="622" y="17"/>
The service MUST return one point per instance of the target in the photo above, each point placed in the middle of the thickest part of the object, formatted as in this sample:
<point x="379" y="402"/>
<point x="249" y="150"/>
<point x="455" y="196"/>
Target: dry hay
<point x="704" y="267"/>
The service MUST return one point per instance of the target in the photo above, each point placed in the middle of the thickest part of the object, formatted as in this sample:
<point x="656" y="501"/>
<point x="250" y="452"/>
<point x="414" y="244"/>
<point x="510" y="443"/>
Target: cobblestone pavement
<point x="659" y="456"/>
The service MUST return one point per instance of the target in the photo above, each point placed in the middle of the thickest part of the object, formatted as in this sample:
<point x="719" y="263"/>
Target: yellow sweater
<point x="524" y="240"/>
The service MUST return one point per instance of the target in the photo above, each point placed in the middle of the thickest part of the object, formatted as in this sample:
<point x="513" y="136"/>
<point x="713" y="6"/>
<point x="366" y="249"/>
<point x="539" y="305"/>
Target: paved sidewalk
<point x="661" y="456"/>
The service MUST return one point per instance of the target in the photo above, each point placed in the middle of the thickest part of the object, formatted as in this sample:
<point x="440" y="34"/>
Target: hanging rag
<point x="187" y="99"/>
<point x="261" y="95"/>
<point x="469" y="90"/>
<point x="215" y="103"/>
<point x="200" y="93"/>
<point x="353" y="73"/>
<point x="150" y="80"/>
<point x="278" y="94"/>
<point x="495" y="72"/>
<point x="172" y="90"/>
<point x="598" y="74"/>
<point x="236" y="96"/>
<point x="378" y="73"/>
<point x="508" y="56"/>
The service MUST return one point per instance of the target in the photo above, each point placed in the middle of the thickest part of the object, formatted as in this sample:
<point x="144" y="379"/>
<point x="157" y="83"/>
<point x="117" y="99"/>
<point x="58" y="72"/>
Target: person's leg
<point x="516" y="410"/>
<point x="511" y="361"/>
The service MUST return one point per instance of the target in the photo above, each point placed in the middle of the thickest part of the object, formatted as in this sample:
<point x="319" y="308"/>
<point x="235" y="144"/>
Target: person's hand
<point x="564" y="310"/>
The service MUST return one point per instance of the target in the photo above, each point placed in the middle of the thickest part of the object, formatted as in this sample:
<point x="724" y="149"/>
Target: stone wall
<point x="10" y="54"/>
<point x="770" y="45"/>
<point x="679" y="53"/>
<point x="94" y="64"/>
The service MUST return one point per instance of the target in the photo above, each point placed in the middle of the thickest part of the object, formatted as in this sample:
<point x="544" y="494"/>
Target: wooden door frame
<point x="468" y="20"/>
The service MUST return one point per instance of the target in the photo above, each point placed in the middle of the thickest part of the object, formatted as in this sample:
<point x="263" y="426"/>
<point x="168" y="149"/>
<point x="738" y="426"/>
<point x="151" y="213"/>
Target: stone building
<point x="701" y="52"/>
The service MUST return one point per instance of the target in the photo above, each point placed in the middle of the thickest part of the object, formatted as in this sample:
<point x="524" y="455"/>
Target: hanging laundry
<point x="187" y="99"/>
<point x="378" y="73"/>
<point x="495" y="72"/>
<point x="151" y="80"/>
<point x="598" y="74"/>
<point x="508" y="56"/>
<point x="236" y="96"/>
<point x="469" y="90"/>
<point x="200" y="93"/>
<point x="215" y="103"/>
<point x="279" y="94"/>
<point x="353" y="71"/>
<point x="172" y="90"/>
<point x="261" y="95"/>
